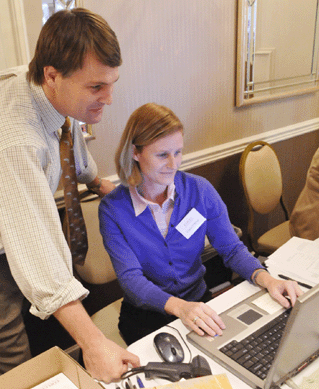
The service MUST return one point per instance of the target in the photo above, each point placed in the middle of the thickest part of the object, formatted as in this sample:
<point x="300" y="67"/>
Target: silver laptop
<point x="265" y="360"/>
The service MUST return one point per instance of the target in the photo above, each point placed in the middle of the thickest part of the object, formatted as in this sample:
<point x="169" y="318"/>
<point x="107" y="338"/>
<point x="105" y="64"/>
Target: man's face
<point x="84" y="94"/>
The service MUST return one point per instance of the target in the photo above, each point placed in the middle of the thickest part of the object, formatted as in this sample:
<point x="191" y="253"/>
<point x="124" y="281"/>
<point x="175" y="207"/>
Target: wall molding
<point x="216" y="153"/>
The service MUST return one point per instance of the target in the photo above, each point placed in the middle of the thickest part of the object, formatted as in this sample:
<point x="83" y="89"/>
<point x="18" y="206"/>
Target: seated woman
<point x="154" y="226"/>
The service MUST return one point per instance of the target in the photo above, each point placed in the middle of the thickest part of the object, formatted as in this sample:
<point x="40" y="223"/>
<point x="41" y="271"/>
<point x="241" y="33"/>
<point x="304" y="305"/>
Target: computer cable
<point x="172" y="371"/>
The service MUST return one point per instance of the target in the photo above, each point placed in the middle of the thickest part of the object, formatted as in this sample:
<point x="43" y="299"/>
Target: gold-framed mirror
<point x="277" y="49"/>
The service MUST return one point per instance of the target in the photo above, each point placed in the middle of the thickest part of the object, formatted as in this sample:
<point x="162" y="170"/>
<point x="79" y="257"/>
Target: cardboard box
<point x="44" y="366"/>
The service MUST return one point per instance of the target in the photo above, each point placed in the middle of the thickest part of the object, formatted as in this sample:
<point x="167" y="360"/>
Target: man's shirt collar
<point x="52" y="119"/>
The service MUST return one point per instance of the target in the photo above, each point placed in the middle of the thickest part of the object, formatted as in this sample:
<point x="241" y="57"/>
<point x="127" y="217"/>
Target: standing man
<point x="72" y="74"/>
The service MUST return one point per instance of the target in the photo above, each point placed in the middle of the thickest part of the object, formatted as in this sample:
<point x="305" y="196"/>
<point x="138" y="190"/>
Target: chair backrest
<point x="261" y="177"/>
<point x="98" y="268"/>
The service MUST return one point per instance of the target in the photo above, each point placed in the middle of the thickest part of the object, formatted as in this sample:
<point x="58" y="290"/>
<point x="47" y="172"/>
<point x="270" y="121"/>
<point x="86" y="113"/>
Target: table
<point x="144" y="347"/>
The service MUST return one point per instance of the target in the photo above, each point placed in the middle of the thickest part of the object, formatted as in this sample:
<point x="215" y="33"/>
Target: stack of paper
<point x="59" y="381"/>
<point x="297" y="259"/>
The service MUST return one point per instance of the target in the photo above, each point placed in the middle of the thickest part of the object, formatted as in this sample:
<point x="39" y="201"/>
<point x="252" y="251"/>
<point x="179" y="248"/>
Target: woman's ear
<point x="135" y="154"/>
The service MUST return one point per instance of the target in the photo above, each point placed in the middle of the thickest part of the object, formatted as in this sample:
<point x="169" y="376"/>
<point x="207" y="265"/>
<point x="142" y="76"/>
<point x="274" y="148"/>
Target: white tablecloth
<point x="144" y="347"/>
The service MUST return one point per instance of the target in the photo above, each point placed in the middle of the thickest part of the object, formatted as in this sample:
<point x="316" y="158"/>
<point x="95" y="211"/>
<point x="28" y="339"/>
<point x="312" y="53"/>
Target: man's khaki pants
<point x="14" y="344"/>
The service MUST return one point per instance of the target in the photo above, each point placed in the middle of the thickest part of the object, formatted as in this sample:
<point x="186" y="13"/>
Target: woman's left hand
<point x="280" y="290"/>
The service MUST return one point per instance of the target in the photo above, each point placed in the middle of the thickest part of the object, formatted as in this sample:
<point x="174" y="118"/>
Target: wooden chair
<point x="261" y="178"/>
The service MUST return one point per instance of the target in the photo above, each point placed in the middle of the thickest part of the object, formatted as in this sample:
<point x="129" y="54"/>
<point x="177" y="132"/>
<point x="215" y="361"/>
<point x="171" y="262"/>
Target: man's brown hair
<point x="65" y="40"/>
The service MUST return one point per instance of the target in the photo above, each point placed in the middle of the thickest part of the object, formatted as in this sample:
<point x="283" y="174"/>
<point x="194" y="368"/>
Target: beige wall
<point x="181" y="53"/>
<point x="274" y="31"/>
<point x="33" y="15"/>
<point x="13" y="42"/>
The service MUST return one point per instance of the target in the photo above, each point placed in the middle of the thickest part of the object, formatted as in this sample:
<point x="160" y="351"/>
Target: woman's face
<point x="160" y="160"/>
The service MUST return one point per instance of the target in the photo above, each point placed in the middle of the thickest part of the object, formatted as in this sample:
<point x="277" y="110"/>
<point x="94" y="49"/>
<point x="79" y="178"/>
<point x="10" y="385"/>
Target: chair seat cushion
<point x="106" y="319"/>
<point x="271" y="240"/>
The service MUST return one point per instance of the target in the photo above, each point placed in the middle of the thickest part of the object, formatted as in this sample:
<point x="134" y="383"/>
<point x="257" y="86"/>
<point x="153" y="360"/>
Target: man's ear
<point x="50" y="76"/>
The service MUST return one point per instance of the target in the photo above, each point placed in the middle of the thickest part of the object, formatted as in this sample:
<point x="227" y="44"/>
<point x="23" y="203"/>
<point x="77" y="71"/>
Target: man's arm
<point x="104" y="359"/>
<point x="100" y="186"/>
<point x="86" y="166"/>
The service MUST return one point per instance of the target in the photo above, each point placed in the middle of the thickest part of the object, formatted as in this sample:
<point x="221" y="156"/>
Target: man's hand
<point x="106" y="361"/>
<point x="100" y="186"/>
<point x="106" y="187"/>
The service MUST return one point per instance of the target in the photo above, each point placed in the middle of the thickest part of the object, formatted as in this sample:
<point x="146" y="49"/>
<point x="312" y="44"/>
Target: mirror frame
<point x="247" y="16"/>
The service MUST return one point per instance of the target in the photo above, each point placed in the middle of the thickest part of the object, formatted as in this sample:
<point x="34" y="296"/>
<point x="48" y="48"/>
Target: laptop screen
<point x="300" y="342"/>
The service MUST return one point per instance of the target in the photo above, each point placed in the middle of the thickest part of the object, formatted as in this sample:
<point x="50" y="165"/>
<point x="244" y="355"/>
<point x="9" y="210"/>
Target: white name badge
<point x="191" y="222"/>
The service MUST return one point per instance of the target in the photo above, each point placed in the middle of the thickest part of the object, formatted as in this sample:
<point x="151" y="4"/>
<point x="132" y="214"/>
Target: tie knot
<point x="67" y="124"/>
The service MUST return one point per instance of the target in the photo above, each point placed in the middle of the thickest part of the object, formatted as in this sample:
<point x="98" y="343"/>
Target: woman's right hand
<point x="196" y="316"/>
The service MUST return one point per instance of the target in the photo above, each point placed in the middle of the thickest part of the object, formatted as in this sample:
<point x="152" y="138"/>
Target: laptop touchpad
<point x="245" y="313"/>
<point x="249" y="316"/>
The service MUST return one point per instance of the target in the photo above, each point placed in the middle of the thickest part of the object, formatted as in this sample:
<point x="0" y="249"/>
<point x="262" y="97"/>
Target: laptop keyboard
<point x="257" y="351"/>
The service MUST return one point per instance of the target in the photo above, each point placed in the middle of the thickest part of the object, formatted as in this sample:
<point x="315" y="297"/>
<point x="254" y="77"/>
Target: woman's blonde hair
<point x="147" y="124"/>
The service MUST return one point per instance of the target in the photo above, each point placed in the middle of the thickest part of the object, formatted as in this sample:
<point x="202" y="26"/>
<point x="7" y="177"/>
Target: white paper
<point x="59" y="381"/>
<point x="191" y="222"/>
<point x="297" y="259"/>
<point x="267" y="303"/>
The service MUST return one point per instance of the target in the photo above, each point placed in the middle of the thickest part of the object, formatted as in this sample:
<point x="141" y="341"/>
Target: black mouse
<point x="169" y="347"/>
